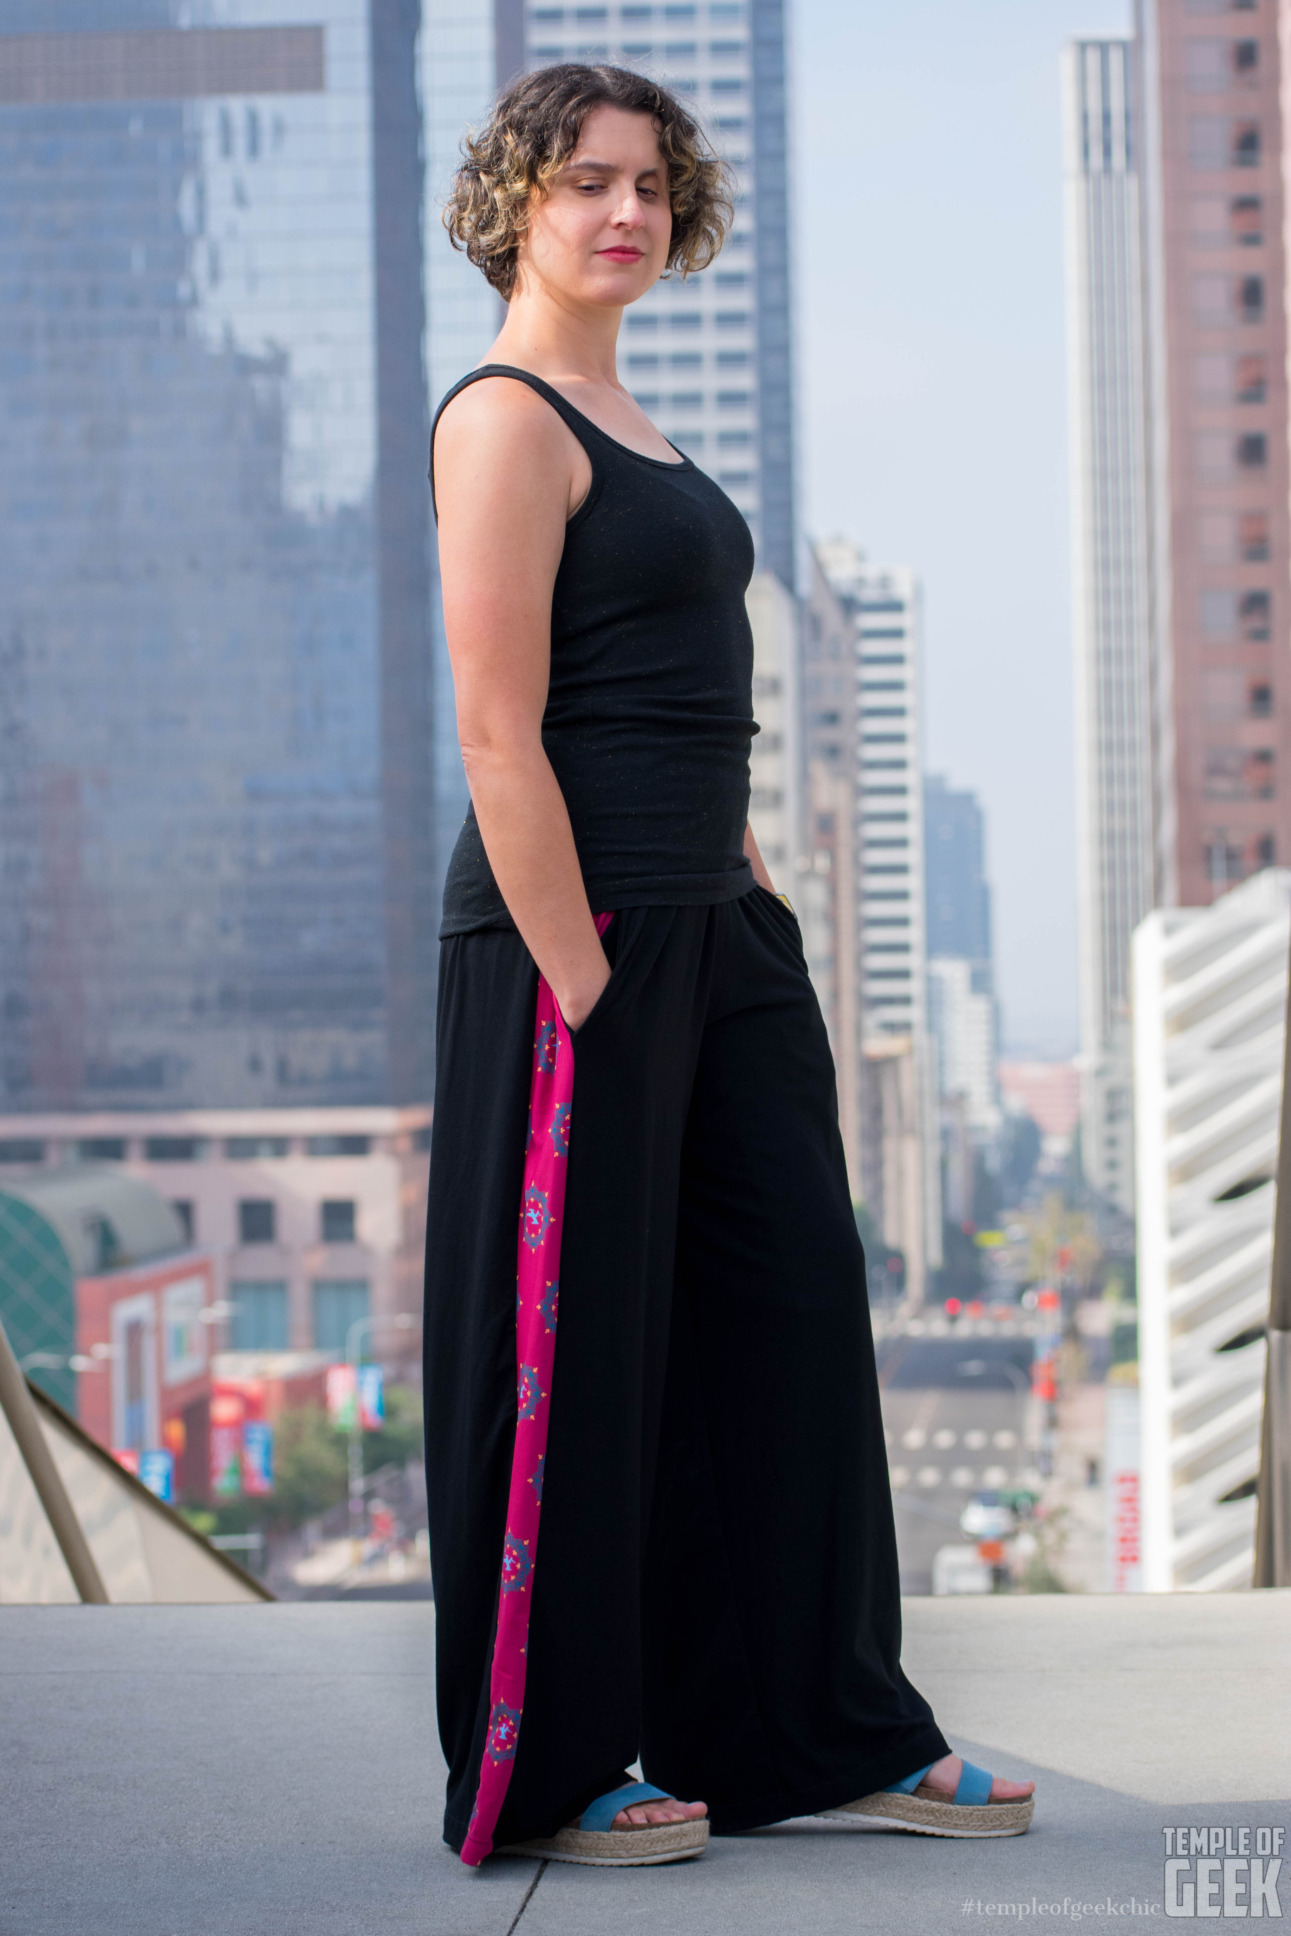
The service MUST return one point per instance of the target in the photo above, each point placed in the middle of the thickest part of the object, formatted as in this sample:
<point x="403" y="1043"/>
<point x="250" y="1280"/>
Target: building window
<point x="1249" y="380"/>
<point x="734" y="439"/>
<point x="1250" y="299"/>
<point x="1214" y="65"/>
<point x="1261" y="701"/>
<point x="174" y="1149"/>
<point x="242" y="1149"/>
<point x="1216" y="142"/>
<point x="687" y="359"/>
<point x="21" y="1149"/>
<point x="337" y="1221"/>
<point x="638" y="362"/>
<point x="1252" y="450"/>
<point x="184" y="1210"/>
<point x="259" y="1315"/>
<point x="685" y="319"/>
<point x="1223" y="861"/>
<point x="1266" y="850"/>
<point x="646" y="321"/>
<point x="339" y="1303"/>
<point x="102" y="1149"/>
<point x="1246" y="144"/>
<point x="1246" y="221"/>
<point x="337" y="1145"/>
<point x="1239" y="773"/>
<point x="257" y="1222"/>
<point x="1255" y="615"/>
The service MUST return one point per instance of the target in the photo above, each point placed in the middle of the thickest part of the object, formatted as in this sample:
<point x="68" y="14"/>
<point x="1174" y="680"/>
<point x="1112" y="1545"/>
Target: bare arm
<point x="751" y="853"/>
<point x="508" y="472"/>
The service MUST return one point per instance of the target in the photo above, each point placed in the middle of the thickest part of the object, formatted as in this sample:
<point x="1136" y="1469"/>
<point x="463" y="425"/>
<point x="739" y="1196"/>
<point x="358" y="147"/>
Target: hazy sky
<point x="932" y="354"/>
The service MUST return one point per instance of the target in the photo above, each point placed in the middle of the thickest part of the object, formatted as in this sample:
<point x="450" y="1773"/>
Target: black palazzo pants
<point x="715" y="1589"/>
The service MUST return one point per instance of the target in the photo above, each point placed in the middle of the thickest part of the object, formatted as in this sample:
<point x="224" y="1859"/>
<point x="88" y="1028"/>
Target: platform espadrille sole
<point x="619" y="1848"/>
<point x="921" y="1816"/>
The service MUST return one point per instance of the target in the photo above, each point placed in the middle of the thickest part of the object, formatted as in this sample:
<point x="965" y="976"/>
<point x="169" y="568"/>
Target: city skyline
<point x="932" y="329"/>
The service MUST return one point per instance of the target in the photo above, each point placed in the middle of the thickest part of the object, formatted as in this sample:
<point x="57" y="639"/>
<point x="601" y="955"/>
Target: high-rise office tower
<point x="828" y="890"/>
<point x="957" y="894"/>
<point x="900" y="1107"/>
<point x="709" y="357"/>
<point x="961" y="969"/>
<point x="1109" y="499"/>
<point x="216" y="795"/>
<point x="1211" y="150"/>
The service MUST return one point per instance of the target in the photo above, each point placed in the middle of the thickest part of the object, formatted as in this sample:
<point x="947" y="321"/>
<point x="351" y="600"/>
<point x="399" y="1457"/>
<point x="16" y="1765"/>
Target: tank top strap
<point x="575" y="419"/>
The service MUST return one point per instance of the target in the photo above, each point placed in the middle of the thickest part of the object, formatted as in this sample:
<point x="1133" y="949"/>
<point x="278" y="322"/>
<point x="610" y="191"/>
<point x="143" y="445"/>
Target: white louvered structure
<point x="1209" y="991"/>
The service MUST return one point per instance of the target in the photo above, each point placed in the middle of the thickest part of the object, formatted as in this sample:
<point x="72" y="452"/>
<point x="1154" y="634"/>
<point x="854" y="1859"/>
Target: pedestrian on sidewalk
<point x="659" y="1509"/>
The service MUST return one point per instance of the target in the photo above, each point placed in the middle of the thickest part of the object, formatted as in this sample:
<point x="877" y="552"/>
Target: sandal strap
<point x="911" y="1782"/>
<point x="974" y="1789"/>
<point x="600" y="1814"/>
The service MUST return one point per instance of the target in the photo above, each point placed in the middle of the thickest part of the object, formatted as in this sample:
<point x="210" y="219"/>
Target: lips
<point x="622" y="255"/>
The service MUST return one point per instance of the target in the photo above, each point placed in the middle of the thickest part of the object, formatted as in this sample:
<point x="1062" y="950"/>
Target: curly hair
<point x="532" y="132"/>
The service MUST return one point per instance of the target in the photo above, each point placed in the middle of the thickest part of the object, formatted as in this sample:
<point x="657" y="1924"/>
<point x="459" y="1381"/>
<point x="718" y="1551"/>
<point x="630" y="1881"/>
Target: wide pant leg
<point x="715" y="1580"/>
<point x="772" y="1613"/>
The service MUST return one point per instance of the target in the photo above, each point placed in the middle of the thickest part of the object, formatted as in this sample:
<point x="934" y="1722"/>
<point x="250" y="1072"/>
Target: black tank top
<point x="649" y="715"/>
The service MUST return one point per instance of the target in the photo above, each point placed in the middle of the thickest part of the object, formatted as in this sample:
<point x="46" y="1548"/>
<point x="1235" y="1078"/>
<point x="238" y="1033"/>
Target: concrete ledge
<point x="262" y="1771"/>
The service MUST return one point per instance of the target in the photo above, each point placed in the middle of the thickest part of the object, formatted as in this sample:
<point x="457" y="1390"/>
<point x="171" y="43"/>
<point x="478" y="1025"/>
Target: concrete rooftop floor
<point x="262" y="1771"/>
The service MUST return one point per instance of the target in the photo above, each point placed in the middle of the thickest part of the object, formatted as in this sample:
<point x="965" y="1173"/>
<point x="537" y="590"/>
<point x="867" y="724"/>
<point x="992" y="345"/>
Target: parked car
<point x="988" y="1515"/>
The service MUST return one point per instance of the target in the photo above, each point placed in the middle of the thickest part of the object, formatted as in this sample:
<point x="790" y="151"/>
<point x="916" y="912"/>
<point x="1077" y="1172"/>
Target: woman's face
<point x="600" y="235"/>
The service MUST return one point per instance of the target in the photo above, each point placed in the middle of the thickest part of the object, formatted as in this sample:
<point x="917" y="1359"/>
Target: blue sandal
<point x="972" y="1813"/>
<point x="594" y="1839"/>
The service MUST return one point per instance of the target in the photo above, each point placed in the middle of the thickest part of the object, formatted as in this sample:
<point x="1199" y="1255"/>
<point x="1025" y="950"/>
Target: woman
<point x="636" y="1142"/>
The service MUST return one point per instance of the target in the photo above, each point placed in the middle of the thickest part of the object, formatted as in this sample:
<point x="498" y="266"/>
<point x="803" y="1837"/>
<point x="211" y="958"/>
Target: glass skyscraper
<point x="218" y="866"/>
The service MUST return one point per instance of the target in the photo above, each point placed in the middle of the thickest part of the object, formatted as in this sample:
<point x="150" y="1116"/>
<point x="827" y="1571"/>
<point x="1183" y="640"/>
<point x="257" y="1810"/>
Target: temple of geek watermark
<point x="1228" y="1874"/>
<point x="1072" y="1909"/>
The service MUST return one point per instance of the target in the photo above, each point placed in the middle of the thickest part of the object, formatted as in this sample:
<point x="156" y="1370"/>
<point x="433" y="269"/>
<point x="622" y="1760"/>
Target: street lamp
<point x="975" y="1367"/>
<point x="402" y="1321"/>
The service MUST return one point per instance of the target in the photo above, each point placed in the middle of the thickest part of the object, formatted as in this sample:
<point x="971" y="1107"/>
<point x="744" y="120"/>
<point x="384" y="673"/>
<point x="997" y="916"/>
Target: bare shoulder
<point x="499" y="416"/>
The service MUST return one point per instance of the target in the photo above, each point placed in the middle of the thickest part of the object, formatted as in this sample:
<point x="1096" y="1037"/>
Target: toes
<point x="659" y="1814"/>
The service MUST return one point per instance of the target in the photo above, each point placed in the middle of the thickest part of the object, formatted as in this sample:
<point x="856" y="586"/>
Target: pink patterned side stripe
<point x="542" y="1211"/>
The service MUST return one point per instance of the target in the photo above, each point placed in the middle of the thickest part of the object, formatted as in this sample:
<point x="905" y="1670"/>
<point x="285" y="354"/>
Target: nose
<point x="629" y="213"/>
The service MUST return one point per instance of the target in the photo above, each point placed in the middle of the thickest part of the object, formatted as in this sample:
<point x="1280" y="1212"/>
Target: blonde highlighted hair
<point x="531" y="133"/>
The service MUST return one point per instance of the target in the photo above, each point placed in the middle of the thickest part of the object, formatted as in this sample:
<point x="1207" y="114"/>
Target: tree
<point x="310" y="1470"/>
<point x="401" y="1435"/>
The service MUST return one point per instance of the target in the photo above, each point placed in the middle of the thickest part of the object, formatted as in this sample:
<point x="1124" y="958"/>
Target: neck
<point x="554" y="336"/>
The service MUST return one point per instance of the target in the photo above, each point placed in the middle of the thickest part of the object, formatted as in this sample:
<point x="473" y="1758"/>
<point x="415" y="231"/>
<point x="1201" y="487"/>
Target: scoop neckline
<point x="660" y="463"/>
